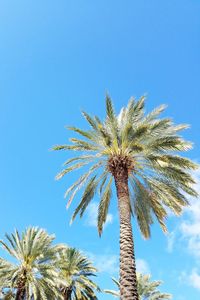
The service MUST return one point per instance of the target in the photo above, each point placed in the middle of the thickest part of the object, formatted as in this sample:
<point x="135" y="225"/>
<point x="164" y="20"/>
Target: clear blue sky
<point x="58" y="57"/>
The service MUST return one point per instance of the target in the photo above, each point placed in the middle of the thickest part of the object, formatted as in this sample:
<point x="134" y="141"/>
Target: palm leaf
<point x="104" y="205"/>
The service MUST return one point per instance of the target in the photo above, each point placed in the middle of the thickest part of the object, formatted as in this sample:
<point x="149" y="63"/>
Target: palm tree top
<point x="30" y="245"/>
<point x="75" y="271"/>
<point x="147" y="289"/>
<point x="32" y="272"/>
<point x="147" y="147"/>
<point x="71" y="261"/>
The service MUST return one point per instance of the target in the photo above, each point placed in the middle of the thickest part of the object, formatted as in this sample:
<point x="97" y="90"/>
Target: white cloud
<point x="190" y="225"/>
<point x="108" y="263"/>
<point x="192" y="279"/>
<point x="170" y="241"/>
<point x="188" y="232"/>
<point x="142" y="266"/>
<point x="91" y="215"/>
<point x="188" y="228"/>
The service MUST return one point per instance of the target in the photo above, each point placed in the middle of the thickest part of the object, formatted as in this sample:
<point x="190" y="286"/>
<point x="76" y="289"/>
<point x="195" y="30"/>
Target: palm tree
<point x="138" y="153"/>
<point x="75" y="271"/>
<point x="31" y="274"/>
<point x="147" y="290"/>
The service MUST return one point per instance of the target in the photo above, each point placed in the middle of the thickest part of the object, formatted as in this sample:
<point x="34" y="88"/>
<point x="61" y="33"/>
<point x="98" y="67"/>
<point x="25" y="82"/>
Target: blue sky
<point x="59" y="57"/>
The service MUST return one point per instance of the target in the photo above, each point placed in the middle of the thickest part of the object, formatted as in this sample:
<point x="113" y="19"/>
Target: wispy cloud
<point x="109" y="263"/>
<point x="190" y="224"/>
<point x="187" y="233"/>
<point x="142" y="266"/>
<point x="106" y="262"/>
<point x="170" y="241"/>
<point x="91" y="216"/>
<point x="192" y="278"/>
<point x="188" y="229"/>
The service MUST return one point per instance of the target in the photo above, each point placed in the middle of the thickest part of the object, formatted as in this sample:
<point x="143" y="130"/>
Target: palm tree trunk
<point x="20" y="294"/>
<point x="128" y="279"/>
<point x="68" y="293"/>
<point x="21" y="286"/>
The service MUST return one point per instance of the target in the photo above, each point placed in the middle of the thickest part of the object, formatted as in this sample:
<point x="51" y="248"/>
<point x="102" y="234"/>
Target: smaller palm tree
<point x="147" y="289"/>
<point x="75" y="271"/>
<point x="32" y="275"/>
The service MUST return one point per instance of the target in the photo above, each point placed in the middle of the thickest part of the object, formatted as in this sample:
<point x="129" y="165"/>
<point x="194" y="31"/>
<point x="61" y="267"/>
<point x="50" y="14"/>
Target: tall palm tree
<point x="147" y="289"/>
<point x="138" y="153"/>
<point x="31" y="274"/>
<point x="75" y="271"/>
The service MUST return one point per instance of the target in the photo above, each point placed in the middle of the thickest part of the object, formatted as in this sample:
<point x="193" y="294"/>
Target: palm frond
<point x="85" y="134"/>
<point x="142" y="208"/>
<point x="155" y="113"/>
<point x="81" y="182"/>
<point x="104" y="205"/>
<point x="86" y="198"/>
<point x="90" y="120"/>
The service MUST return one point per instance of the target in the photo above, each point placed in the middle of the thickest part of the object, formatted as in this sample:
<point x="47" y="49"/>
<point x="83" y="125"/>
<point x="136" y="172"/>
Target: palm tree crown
<point x="143" y="145"/>
<point x="75" y="271"/>
<point x="33" y="274"/>
<point x="147" y="289"/>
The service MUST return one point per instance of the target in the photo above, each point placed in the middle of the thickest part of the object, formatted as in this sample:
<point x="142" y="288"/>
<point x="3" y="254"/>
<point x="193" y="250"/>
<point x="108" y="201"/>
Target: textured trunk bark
<point x="67" y="294"/>
<point x="128" y="280"/>
<point x="20" y="294"/>
<point x="21" y="286"/>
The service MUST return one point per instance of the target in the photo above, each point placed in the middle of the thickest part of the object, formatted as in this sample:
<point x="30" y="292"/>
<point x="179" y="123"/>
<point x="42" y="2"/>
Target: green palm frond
<point x="155" y="113"/>
<point x="142" y="207"/>
<point x="104" y="205"/>
<point x="86" y="198"/>
<point x="148" y="289"/>
<point x="85" y="134"/>
<point x="151" y="146"/>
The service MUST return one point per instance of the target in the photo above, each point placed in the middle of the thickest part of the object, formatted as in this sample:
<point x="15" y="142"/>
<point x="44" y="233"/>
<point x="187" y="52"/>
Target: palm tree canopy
<point x="147" y="147"/>
<point x="75" y="271"/>
<point x="33" y="268"/>
<point x="147" y="289"/>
